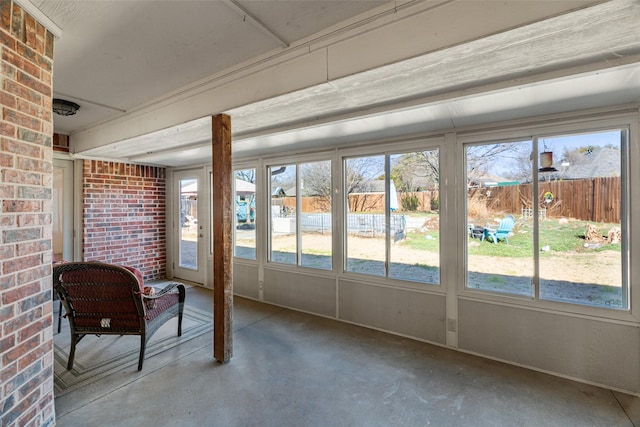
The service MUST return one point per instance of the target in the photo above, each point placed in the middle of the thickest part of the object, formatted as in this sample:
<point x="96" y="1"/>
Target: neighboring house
<point x="589" y="163"/>
<point x="279" y="192"/>
<point x="482" y="180"/>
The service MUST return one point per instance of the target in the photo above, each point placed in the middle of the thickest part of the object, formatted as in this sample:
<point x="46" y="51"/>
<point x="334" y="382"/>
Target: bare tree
<point x="415" y="171"/>
<point x="315" y="181"/>
<point x="248" y="175"/>
<point x="283" y="177"/>
<point x="361" y="176"/>
<point x="511" y="160"/>
<point x="521" y="168"/>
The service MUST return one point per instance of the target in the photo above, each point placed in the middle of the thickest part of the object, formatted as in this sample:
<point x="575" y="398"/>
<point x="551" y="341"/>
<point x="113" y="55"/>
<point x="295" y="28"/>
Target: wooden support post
<point x="223" y="211"/>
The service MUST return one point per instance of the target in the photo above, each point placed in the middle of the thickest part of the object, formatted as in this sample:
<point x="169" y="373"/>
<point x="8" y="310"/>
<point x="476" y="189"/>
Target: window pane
<point x="245" y="197"/>
<point x="283" y="214"/>
<point x="500" y="256"/>
<point x="315" y="217"/>
<point x="188" y="256"/>
<point x="580" y="235"/>
<point x="415" y="221"/>
<point x="365" y="222"/>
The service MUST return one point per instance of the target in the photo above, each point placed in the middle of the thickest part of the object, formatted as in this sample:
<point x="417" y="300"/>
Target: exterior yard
<point x="574" y="267"/>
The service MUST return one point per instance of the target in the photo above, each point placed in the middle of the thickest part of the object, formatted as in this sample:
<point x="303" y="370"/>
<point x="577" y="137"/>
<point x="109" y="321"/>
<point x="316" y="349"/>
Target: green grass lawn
<point x="567" y="237"/>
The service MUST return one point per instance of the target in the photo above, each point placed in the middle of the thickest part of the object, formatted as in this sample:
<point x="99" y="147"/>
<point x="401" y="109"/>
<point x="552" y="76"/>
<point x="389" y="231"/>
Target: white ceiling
<point x="115" y="57"/>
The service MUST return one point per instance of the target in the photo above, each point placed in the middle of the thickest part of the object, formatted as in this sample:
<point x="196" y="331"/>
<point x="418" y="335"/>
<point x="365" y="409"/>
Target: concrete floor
<point x="295" y="369"/>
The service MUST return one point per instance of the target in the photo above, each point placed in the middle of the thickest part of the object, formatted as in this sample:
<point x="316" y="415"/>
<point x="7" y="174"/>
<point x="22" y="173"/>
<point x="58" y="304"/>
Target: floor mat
<point x="97" y="357"/>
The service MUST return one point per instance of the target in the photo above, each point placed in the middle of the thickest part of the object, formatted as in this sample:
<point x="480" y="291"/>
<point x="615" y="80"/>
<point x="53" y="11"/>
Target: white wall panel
<point x="305" y="292"/>
<point x="592" y="350"/>
<point x="398" y="310"/>
<point x="245" y="280"/>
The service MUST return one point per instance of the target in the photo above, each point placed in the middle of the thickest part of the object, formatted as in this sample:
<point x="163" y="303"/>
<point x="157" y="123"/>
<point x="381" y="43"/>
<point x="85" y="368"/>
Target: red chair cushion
<point x="138" y="275"/>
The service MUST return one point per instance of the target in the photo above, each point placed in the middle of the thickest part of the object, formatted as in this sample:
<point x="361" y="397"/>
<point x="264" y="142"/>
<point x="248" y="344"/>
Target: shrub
<point x="477" y="207"/>
<point x="410" y="202"/>
<point x="435" y="203"/>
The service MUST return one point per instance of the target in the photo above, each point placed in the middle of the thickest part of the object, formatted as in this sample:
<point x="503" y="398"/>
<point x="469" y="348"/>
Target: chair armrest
<point x="170" y="287"/>
<point x="149" y="301"/>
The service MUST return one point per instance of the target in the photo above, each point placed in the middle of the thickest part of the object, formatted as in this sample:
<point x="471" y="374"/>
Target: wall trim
<point x="39" y="16"/>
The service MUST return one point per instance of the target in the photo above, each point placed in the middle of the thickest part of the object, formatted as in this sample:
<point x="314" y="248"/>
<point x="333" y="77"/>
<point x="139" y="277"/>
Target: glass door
<point x="189" y="230"/>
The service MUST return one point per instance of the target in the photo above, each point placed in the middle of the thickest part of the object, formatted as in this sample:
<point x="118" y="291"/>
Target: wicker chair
<point x="106" y="299"/>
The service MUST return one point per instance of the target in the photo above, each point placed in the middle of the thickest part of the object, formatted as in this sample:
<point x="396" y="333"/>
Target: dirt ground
<point x="571" y="277"/>
<point x="567" y="267"/>
<point x="576" y="268"/>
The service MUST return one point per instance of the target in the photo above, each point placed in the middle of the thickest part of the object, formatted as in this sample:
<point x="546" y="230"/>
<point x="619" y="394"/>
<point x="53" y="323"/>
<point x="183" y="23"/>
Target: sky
<point x="507" y="163"/>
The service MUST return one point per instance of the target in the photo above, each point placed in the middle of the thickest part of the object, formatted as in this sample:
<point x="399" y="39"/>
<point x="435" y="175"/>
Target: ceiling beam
<point x="247" y="15"/>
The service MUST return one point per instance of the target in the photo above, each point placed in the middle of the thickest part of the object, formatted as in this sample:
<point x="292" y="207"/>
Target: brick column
<point x="26" y="128"/>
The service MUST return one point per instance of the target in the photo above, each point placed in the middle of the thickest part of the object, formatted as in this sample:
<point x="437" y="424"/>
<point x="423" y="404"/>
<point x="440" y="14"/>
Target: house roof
<point x="595" y="162"/>
<point x="244" y="187"/>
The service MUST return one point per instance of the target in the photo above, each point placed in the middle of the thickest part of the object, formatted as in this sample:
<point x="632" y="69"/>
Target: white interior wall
<point x="408" y="312"/>
<point x="245" y="279"/>
<point x="306" y="291"/>
<point x="583" y="348"/>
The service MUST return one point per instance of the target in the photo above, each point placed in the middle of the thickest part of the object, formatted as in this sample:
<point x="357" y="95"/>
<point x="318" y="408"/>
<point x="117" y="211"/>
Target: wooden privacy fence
<point x="594" y="199"/>
<point x="360" y="202"/>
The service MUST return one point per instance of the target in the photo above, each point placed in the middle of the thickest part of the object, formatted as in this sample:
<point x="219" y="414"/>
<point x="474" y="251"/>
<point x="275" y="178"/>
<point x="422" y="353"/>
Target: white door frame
<point x="192" y="272"/>
<point x="68" y="209"/>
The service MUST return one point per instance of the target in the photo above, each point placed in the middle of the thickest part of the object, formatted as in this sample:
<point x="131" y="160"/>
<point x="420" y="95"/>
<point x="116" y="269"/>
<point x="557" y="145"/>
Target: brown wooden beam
<point x="223" y="209"/>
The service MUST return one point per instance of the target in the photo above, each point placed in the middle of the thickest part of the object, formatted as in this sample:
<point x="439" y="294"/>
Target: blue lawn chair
<point x="502" y="232"/>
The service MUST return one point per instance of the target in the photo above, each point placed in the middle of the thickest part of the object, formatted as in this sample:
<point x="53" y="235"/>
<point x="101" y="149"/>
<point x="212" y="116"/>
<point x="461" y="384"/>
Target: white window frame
<point x="387" y="149"/>
<point x="548" y="127"/>
<point x="297" y="160"/>
<point x="238" y="167"/>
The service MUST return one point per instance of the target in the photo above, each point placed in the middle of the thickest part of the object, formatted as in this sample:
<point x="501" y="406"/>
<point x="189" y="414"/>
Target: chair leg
<point x="72" y="351"/>
<point x="181" y="297"/>
<point x="59" y="316"/>
<point x="143" y="344"/>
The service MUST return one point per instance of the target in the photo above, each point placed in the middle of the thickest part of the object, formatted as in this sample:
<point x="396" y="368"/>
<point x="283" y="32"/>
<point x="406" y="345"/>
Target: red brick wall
<point x="60" y="142"/>
<point x="124" y="216"/>
<point x="26" y="334"/>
